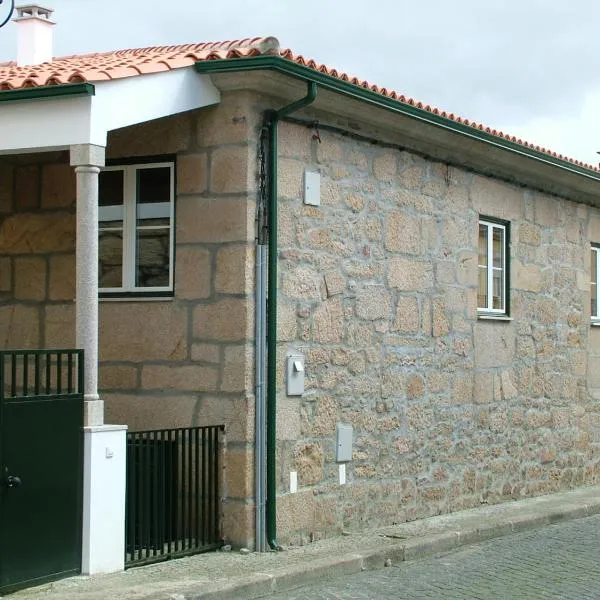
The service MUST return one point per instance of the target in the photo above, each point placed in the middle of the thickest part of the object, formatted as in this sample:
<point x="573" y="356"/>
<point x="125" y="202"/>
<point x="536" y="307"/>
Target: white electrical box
<point x="343" y="452"/>
<point x="295" y="374"/>
<point x="312" y="188"/>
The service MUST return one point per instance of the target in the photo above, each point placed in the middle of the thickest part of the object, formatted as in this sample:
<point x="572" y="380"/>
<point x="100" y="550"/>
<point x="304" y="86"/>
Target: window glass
<point x="135" y="228"/>
<point x="491" y="294"/>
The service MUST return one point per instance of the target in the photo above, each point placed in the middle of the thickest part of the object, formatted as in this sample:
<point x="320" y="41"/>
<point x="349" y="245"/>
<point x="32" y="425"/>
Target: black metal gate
<point x="41" y="466"/>
<point x="173" y="504"/>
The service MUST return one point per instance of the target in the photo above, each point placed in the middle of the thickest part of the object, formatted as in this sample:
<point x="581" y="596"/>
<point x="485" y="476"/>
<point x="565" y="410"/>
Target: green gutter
<point x="328" y="82"/>
<point x="272" y="119"/>
<point x="48" y="91"/>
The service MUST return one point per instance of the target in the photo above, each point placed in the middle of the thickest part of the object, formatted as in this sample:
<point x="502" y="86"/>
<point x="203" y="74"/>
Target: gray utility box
<point x="343" y="451"/>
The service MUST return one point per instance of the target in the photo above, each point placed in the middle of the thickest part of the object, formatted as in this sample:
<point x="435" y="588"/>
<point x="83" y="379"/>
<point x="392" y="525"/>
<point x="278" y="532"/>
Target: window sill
<point x="162" y="297"/>
<point x="595" y="323"/>
<point x="493" y="317"/>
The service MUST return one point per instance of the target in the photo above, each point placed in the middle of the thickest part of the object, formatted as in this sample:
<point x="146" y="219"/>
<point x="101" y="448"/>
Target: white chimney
<point x="34" y="35"/>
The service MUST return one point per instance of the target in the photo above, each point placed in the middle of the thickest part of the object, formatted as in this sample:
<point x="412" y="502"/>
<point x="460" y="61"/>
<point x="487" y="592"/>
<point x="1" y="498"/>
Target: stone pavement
<point x="231" y="575"/>
<point x="559" y="561"/>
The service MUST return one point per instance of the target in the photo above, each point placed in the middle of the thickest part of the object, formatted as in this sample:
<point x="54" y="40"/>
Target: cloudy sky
<point x="528" y="67"/>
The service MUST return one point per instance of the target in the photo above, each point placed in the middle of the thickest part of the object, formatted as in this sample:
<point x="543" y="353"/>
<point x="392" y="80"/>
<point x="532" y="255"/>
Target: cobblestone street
<point x="557" y="561"/>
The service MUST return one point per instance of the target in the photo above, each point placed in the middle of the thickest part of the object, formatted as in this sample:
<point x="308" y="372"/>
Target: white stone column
<point x="87" y="160"/>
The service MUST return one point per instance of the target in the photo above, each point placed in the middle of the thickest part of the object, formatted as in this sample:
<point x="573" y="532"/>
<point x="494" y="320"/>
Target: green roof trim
<point x="48" y="91"/>
<point x="328" y="82"/>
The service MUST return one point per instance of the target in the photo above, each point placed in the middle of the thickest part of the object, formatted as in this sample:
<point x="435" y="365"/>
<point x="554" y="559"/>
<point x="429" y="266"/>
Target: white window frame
<point x="595" y="256"/>
<point x="491" y="225"/>
<point x="130" y="228"/>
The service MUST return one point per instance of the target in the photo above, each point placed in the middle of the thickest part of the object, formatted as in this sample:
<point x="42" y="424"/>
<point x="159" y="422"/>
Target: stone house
<point x="432" y="281"/>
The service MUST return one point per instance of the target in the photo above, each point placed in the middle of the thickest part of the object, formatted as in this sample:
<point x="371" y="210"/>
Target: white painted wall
<point x="104" y="499"/>
<point x="58" y="123"/>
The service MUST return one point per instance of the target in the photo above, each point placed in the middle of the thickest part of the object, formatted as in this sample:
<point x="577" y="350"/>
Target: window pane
<point x="152" y="257"/>
<point x="594" y="283"/>
<point x="110" y="259"/>
<point x="154" y="185"/>
<point x="482" y="297"/>
<point x="498" y="293"/>
<point x="483" y="241"/>
<point x="498" y="247"/>
<point x="110" y="188"/>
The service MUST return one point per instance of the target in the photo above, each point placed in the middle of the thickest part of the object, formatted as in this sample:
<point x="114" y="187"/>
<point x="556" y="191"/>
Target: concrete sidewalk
<point x="231" y="575"/>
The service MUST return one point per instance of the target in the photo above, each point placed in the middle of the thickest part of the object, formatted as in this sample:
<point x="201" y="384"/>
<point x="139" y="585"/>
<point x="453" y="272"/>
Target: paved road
<point x="557" y="561"/>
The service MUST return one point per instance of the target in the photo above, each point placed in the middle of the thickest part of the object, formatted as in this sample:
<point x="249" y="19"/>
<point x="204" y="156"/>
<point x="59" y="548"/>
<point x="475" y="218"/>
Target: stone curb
<point x="316" y="570"/>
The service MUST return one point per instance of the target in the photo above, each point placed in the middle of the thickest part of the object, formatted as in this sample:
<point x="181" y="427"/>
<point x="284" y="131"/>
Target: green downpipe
<point x="273" y="118"/>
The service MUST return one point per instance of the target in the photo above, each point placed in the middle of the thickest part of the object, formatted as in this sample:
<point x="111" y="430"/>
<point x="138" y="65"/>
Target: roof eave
<point x="47" y="91"/>
<point x="325" y="81"/>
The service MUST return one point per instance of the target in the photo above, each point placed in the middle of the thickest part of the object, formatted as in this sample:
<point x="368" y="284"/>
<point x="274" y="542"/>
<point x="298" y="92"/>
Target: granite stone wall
<point x="378" y="287"/>
<point x="178" y="362"/>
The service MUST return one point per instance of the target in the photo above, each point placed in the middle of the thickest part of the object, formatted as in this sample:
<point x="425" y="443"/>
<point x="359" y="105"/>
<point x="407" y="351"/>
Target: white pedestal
<point x="104" y="463"/>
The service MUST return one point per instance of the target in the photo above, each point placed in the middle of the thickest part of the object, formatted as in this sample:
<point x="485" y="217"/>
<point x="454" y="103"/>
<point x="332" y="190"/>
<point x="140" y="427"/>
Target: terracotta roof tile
<point x="119" y="64"/>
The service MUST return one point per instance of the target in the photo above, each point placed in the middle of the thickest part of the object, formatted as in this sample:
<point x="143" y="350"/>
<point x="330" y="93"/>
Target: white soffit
<point x="40" y="125"/>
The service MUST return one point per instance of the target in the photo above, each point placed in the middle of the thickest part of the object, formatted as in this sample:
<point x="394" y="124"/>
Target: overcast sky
<point x="528" y="67"/>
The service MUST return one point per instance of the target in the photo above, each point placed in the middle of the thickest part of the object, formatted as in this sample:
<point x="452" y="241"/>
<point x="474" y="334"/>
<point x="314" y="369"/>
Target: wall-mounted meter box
<point x="295" y="374"/>
<point x="343" y="451"/>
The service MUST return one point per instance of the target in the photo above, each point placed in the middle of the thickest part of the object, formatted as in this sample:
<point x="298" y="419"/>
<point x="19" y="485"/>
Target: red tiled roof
<point x="105" y="66"/>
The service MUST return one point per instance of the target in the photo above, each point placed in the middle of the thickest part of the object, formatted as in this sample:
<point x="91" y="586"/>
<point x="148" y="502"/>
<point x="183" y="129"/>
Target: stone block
<point x="27" y="187"/>
<point x="385" y="165"/>
<point x="407" y="315"/>
<point x="58" y="186"/>
<point x="290" y="178"/>
<point x="140" y="411"/>
<point x="150" y="331"/>
<point x="19" y="327"/>
<point x="6" y="188"/>
<point x="328" y="322"/>
<point x="192" y="273"/>
<point x="238" y="369"/>
<point x="302" y="283"/>
<point x="296" y="512"/>
<point x="402" y="233"/>
<point x="294" y="141"/>
<point x="330" y="150"/>
<point x="529" y="234"/>
<point x="288" y="419"/>
<point x="238" y="523"/>
<point x="208" y="353"/>
<point x="182" y="378"/>
<point x="235" y="270"/>
<point x="409" y="274"/>
<point x="30" y="278"/>
<point x="411" y="177"/>
<point x="62" y="277"/>
<point x="228" y="320"/>
<point x="229" y="170"/>
<point x="212" y="220"/>
<point x="239" y="473"/>
<point x="59" y="326"/>
<point x="493" y="198"/>
<point x="192" y="173"/>
<point x="373" y="303"/>
<point x="526" y="277"/>
<point x="335" y="283"/>
<point x="309" y="460"/>
<point x="170" y="135"/>
<point x="440" y="324"/>
<point x="286" y="322"/>
<point x="37" y="233"/>
<point x="547" y="211"/>
<point x="494" y="344"/>
<point x="112" y="377"/>
<point x="233" y="121"/>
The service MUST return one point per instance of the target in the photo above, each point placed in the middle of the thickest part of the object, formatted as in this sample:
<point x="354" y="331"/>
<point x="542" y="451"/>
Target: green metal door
<point x="41" y="463"/>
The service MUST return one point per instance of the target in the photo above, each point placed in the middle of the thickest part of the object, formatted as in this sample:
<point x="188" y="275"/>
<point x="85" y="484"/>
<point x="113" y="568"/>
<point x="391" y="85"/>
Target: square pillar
<point x="104" y="470"/>
<point x="87" y="160"/>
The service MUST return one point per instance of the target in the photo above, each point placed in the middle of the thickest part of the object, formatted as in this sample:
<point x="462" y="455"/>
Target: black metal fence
<point x="38" y="373"/>
<point x="173" y="502"/>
